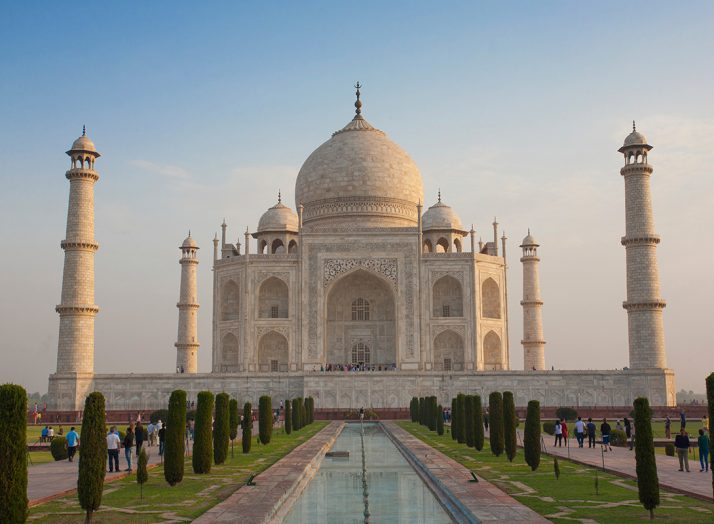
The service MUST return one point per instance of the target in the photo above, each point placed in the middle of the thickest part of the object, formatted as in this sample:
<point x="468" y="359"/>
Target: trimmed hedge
<point x="288" y="417"/>
<point x="440" y="420"/>
<point x="247" y="436"/>
<point x="221" y="429"/>
<point x="142" y="474"/>
<point x="422" y="410"/>
<point x="469" y="420"/>
<point x="202" y="441"/>
<point x="310" y="404"/>
<point x="646" y="465"/>
<point x="265" y="419"/>
<point x="13" y="453"/>
<point x="668" y="449"/>
<point x="159" y="414"/>
<point x="549" y="428"/>
<point x="58" y="448"/>
<point x="461" y="410"/>
<point x="510" y="438"/>
<point x="495" y="410"/>
<point x="175" y="432"/>
<point x="531" y="435"/>
<point x="413" y="409"/>
<point x="296" y="414"/>
<point x="478" y="423"/>
<point x="233" y="419"/>
<point x="453" y="418"/>
<point x="618" y="438"/>
<point x="93" y="456"/>
<point x="568" y="414"/>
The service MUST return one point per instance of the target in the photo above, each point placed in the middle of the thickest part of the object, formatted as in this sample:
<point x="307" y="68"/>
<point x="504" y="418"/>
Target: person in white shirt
<point x="558" y="434"/>
<point x="50" y="433"/>
<point x="113" y="445"/>
<point x="580" y="431"/>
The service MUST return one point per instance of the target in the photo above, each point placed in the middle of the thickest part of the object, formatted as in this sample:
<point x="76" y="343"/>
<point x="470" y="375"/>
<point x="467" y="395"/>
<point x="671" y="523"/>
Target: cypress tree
<point x="142" y="474"/>
<point x="461" y="410"/>
<point x="202" y="442"/>
<point x="288" y="417"/>
<point x="495" y="422"/>
<point x="247" y="424"/>
<point x="265" y="419"/>
<point x="421" y="411"/>
<point x="306" y="422"/>
<point x="453" y="418"/>
<point x="531" y="435"/>
<point x="478" y="423"/>
<point x="221" y="429"/>
<point x="439" y="420"/>
<point x="311" y="411"/>
<point x="296" y="414"/>
<point x="646" y="465"/>
<point x="13" y="453"/>
<point x="174" y="438"/>
<point x="414" y="409"/>
<point x="509" y="425"/>
<point x="93" y="456"/>
<point x="431" y="420"/>
<point x="303" y="413"/>
<point x="234" y="420"/>
<point x="469" y="420"/>
<point x="710" y="401"/>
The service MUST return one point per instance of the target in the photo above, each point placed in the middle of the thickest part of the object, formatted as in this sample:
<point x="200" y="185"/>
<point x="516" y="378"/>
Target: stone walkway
<point x="483" y="499"/>
<point x="265" y="501"/>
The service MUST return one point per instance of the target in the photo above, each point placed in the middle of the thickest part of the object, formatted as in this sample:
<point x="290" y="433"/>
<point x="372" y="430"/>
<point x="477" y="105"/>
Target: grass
<point x="194" y="496"/>
<point x="573" y="496"/>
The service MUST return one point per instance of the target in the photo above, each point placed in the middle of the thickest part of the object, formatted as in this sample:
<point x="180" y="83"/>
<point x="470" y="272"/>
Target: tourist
<point x="361" y="413"/>
<point x="618" y="425"/>
<point x="580" y="432"/>
<point x="162" y="439"/>
<point x="72" y="443"/>
<point x="485" y="420"/>
<point x="705" y="423"/>
<point x="564" y="428"/>
<point x="139" y="437"/>
<point x="128" y="444"/>
<point x="150" y="433"/>
<point x="632" y="437"/>
<point x="667" y="428"/>
<point x="558" y="434"/>
<point x="703" y="442"/>
<point x="113" y="444"/>
<point x="44" y="434"/>
<point x="605" y="432"/>
<point x="681" y="442"/>
<point x="50" y="433"/>
<point x="628" y="427"/>
<point x="682" y="419"/>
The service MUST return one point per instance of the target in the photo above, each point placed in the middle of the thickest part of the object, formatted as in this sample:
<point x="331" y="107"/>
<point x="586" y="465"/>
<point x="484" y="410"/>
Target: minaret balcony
<point x="640" y="239"/>
<point x="79" y="245"/>
<point x="644" y="305"/>
<point x="636" y="169"/>
<point x="82" y="173"/>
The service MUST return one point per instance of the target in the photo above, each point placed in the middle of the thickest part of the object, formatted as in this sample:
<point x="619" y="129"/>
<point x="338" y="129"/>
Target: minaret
<point x="644" y="305"/>
<point x="75" y="349"/>
<point x="533" y="343"/>
<point x="187" y="342"/>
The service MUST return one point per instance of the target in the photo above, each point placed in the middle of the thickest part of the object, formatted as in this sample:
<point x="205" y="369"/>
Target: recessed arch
<point x="273" y="299"/>
<point x="273" y="352"/>
<point x="229" y="350"/>
<point x="447" y="297"/>
<point x="427" y="248"/>
<point x="457" y="245"/>
<point x="229" y="301"/>
<point x="442" y="245"/>
<point x="292" y="246"/>
<point x="492" y="351"/>
<point x="277" y="246"/>
<point x="490" y="299"/>
<point x="448" y="350"/>
<point x="262" y="247"/>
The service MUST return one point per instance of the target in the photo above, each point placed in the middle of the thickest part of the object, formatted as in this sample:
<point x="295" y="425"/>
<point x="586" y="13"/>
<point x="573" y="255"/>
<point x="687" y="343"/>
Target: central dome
<point x="359" y="174"/>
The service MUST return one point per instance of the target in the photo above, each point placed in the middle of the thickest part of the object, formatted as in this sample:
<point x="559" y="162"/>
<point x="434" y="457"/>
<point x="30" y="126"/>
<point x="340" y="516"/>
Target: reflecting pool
<point x="396" y="493"/>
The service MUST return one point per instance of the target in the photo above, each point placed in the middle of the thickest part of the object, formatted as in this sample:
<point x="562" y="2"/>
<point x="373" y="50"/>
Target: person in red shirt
<point x="565" y="431"/>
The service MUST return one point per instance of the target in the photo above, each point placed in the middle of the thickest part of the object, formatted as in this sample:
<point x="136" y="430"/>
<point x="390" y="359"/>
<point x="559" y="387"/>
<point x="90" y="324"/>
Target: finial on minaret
<point x="633" y="126"/>
<point x="439" y="196"/>
<point x="84" y="130"/>
<point x="189" y="232"/>
<point x="529" y="231"/>
<point x="280" y="199"/>
<point x="358" y="103"/>
<point x="215" y="237"/>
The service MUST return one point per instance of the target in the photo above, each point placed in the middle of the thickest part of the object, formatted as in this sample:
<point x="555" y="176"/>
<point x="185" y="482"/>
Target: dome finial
<point x="439" y="196"/>
<point x="358" y="103"/>
<point x="280" y="199"/>
<point x="84" y="130"/>
<point x="189" y="232"/>
<point x="633" y="126"/>
<point x="529" y="231"/>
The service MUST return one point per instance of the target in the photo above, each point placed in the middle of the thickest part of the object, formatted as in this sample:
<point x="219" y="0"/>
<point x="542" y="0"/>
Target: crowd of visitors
<point x="358" y="367"/>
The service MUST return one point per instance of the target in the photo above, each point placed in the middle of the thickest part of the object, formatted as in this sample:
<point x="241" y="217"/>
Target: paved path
<point x="487" y="502"/>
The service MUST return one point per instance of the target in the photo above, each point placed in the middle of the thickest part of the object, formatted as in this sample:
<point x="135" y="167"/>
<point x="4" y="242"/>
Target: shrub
<point x="159" y="414"/>
<point x="549" y="428"/>
<point x="618" y="438"/>
<point x="421" y="411"/>
<point x="469" y="420"/>
<point x="307" y="410"/>
<point x="265" y="419"/>
<point x="311" y="412"/>
<point x="413" y="409"/>
<point x="646" y="468"/>
<point x="142" y="474"/>
<point x="247" y="427"/>
<point x="202" y="441"/>
<point x="175" y="433"/>
<point x="566" y="413"/>
<point x="234" y="418"/>
<point x="531" y="436"/>
<point x="478" y="423"/>
<point x="510" y="438"/>
<point x="13" y="453"/>
<point x="495" y="409"/>
<point x="432" y="413"/>
<point x="668" y="448"/>
<point x="93" y="456"/>
<point x="221" y="429"/>
<point x="58" y="448"/>
<point x="439" y="420"/>
<point x="295" y="413"/>
<point x="453" y="418"/>
<point x="461" y="410"/>
<point x="288" y="417"/>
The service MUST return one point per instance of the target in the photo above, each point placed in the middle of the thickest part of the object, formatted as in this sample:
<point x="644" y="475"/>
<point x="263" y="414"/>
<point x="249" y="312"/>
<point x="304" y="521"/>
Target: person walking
<point x="162" y="440"/>
<point x="72" y="443"/>
<point x="628" y="427"/>
<point x="558" y="434"/>
<point x="632" y="437"/>
<point x="580" y="431"/>
<point x="591" y="433"/>
<point x="564" y="427"/>
<point x="150" y="433"/>
<point x="128" y="444"/>
<point x="139" y="437"/>
<point x="605" y="431"/>
<point x="667" y="428"/>
<point x="703" y="442"/>
<point x="681" y="442"/>
<point x="113" y="444"/>
<point x="682" y="419"/>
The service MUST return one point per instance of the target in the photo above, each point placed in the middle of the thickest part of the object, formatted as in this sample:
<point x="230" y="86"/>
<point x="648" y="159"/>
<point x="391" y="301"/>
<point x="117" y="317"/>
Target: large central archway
<point x="360" y="321"/>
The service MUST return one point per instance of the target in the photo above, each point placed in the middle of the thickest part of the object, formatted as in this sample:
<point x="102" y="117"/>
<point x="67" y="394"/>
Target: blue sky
<point x="513" y="109"/>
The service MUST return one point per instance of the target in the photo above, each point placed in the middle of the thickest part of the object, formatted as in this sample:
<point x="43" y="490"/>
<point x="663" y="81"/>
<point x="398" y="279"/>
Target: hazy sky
<point x="514" y="109"/>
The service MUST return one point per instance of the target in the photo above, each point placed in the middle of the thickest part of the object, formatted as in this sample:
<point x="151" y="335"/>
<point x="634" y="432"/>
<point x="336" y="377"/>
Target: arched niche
<point x="448" y="297"/>
<point x="273" y="352"/>
<point x="229" y="350"/>
<point x="492" y="351"/>
<point x="229" y="301"/>
<point x="273" y="299"/>
<point x="490" y="299"/>
<point x="448" y="350"/>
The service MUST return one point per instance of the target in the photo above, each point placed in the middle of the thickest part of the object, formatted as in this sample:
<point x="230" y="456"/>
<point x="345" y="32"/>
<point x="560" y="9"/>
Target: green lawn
<point x="189" y="499"/>
<point x="573" y="496"/>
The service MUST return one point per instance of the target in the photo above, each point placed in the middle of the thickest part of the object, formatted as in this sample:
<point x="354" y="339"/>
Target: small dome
<point x="635" y="139"/>
<point x="441" y="216"/>
<point x="189" y="242"/>
<point x="278" y="218"/>
<point x="529" y="241"/>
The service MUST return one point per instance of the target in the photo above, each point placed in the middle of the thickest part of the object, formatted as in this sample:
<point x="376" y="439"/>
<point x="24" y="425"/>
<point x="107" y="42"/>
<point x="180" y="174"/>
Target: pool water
<point x="396" y="493"/>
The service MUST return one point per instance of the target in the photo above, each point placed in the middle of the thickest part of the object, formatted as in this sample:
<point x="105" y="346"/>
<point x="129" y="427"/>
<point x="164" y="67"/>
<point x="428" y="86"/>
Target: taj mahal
<point x="362" y="295"/>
